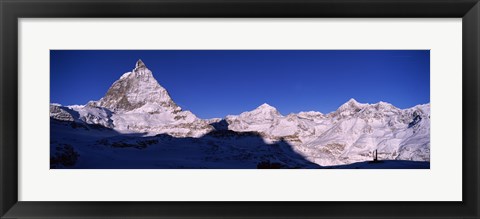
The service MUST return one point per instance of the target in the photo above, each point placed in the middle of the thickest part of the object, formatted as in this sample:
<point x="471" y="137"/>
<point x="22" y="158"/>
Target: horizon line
<point x="265" y="103"/>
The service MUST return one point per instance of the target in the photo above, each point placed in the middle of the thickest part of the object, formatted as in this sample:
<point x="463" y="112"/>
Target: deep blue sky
<point x="215" y="83"/>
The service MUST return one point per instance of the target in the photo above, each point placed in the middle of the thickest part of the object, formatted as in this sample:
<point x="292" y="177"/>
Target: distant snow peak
<point x="351" y="104"/>
<point x="141" y="71"/>
<point x="310" y="114"/>
<point x="266" y="109"/>
<point x="137" y="92"/>
<point x="136" y="102"/>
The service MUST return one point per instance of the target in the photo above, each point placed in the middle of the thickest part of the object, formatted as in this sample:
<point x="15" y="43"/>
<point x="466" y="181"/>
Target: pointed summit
<point x="265" y="106"/>
<point x="352" y="101"/>
<point x="137" y="90"/>
<point x="266" y="109"/>
<point x="140" y="64"/>
<point x="351" y="104"/>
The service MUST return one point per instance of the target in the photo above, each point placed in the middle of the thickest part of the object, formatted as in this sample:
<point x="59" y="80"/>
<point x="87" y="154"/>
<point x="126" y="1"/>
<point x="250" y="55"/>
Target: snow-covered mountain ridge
<point x="137" y="103"/>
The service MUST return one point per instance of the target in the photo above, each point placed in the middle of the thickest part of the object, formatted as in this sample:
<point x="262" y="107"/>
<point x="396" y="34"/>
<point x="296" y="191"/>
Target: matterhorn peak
<point x="352" y="101"/>
<point x="138" y="90"/>
<point x="140" y="64"/>
<point x="265" y="106"/>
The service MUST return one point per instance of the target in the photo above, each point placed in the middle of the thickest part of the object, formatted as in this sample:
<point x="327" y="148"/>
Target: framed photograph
<point x="125" y="109"/>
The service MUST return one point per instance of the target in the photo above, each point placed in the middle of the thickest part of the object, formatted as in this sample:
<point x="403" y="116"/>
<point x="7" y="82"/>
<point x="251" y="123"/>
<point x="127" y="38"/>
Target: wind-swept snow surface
<point x="138" y="125"/>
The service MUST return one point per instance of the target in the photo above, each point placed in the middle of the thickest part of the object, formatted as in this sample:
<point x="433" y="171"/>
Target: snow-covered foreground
<point x="385" y="164"/>
<point x="103" y="148"/>
<point x="137" y="125"/>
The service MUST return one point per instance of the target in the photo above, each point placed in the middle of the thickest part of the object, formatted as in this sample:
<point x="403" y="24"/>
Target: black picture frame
<point x="12" y="10"/>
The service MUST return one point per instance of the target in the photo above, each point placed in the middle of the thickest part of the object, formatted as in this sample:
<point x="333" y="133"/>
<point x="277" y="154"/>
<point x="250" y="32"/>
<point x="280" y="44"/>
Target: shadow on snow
<point x="83" y="146"/>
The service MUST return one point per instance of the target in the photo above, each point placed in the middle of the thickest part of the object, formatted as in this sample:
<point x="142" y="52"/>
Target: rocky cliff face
<point x="59" y="113"/>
